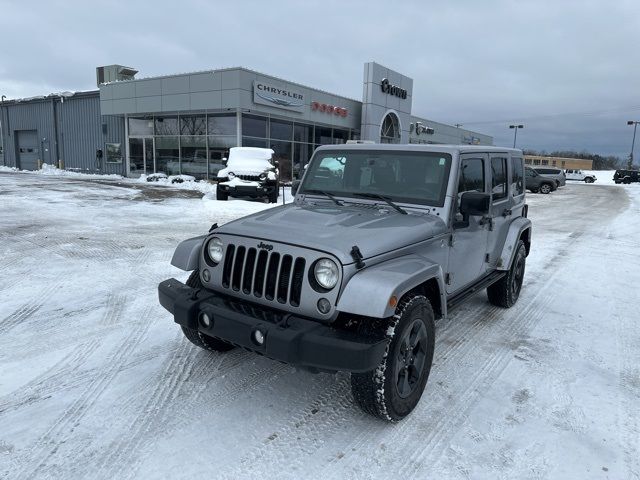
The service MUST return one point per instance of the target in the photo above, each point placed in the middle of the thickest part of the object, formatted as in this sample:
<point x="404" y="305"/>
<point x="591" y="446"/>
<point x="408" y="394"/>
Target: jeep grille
<point x="250" y="178"/>
<point x="263" y="274"/>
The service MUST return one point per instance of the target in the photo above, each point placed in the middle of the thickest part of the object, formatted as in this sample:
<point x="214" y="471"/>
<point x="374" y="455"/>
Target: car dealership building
<point x="185" y="124"/>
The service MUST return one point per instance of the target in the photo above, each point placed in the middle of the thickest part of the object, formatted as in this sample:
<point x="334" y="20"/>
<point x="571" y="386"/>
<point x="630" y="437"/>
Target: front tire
<point x="220" y="195"/>
<point x="588" y="180"/>
<point x="393" y="389"/>
<point x="505" y="292"/>
<point x="194" y="336"/>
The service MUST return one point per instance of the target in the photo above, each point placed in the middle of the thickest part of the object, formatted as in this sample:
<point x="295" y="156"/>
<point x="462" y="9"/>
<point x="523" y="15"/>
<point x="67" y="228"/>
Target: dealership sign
<point x="390" y="89"/>
<point x="275" y="96"/>
<point x="323" y="107"/>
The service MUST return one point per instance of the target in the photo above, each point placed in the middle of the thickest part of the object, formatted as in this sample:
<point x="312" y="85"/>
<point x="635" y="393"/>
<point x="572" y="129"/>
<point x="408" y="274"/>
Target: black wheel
<point x="194" y="336"/>
<point x="545" y="188"/>
<point x="220" y="195"/>
<point x="534" y="190"/>
<point x="588" y="180"/>
<point x="505" y="292"/>
<point x="393" y="389"/>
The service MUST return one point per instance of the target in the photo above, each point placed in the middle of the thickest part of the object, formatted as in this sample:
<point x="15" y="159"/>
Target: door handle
<point x="506" y="212"/>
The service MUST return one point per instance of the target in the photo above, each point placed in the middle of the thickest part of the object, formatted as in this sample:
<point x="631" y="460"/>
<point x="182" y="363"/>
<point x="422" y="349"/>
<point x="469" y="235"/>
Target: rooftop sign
<point x="275" y="96"/>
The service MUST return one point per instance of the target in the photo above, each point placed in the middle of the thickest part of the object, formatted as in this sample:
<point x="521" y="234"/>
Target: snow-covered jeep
<point x="380" y="241"/>
<point x="580" y="176"/>
<point x="249" y="172"/>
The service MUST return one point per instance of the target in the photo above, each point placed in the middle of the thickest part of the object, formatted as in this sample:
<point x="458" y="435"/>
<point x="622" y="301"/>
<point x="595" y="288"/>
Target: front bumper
<point x="240" y="190"/>
<point x="287" y="338"/>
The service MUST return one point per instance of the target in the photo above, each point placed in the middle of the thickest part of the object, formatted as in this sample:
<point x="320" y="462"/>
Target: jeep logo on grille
<point x="265" y="246"/>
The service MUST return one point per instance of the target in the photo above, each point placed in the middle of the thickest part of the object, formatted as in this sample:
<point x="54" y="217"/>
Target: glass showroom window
<point x="280" y="130"/>
<point x="323" y="135"/>
<point x="193" y="156"/>
<point x="283" y="156"/>
<point x="219" y="151"/>
<point x="193" y="125"/>
<point x="253" y="126"/>
<point x="222" y="124"/>
<point x="303" y="133"/>
<point x="140" y="126"/>
<point x="168" y="155"/>
<point x="166" y="126"/>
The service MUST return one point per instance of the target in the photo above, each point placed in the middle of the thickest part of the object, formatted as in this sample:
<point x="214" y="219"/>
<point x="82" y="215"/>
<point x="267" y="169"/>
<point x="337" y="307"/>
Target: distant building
<point x="186" y="123"/>
<point x="560" y="162"/>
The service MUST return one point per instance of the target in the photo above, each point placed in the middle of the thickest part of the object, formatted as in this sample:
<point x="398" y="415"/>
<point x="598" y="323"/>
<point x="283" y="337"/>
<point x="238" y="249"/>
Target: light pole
<point x="635" y="125"/>
<point x="515" y="133"/>
<point x="4" y="161"/>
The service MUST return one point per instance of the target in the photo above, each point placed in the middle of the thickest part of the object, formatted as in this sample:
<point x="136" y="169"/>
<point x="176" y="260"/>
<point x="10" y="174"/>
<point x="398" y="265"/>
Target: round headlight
<point x="263" y="176"/>
<point x="215" y="250"/>
<point x="231" y="175"/>
<point x="326" y="273"/>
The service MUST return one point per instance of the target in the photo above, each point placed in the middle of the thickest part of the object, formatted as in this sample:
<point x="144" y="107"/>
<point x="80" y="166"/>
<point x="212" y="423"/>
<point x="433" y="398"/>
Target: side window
<point x="517" y="177"/>
<point x="498" y="178"/>
<point x="471" y="176"/>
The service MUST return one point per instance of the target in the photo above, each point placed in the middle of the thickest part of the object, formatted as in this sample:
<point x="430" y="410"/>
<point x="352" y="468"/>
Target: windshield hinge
<point x="448" y="278"/>
<point x="452" y="240"/>
<point x="357" y="257"/>
<point x="213" y="227"/>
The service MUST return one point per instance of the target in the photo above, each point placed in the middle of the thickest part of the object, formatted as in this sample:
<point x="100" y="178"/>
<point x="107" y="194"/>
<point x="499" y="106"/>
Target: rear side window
<point x="498" y="178"/>
<point x="471" y="175"/>
<point x="517" y="177"/>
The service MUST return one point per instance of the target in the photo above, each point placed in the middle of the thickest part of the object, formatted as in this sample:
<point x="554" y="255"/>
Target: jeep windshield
<point x="401" y="177"/>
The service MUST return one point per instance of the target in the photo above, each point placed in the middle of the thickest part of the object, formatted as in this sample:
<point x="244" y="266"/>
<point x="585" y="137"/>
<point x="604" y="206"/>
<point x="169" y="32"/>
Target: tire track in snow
<point x="290" y="446"/>
<point x="171" y="382"/>
<point x="28" y="309"/>
<point x="50" y="382"/>
<point x="38" y="455"/>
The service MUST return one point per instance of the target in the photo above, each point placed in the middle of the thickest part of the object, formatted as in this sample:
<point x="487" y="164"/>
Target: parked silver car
<point x="380" y="241"/>
<point x="556" y="173"/>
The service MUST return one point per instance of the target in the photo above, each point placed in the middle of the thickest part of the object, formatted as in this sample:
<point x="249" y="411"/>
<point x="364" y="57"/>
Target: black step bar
<point x="483" y="283"/>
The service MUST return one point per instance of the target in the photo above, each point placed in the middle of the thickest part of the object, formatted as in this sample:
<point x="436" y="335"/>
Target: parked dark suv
<point x="626" y="176"/>
<point x="552" y="172"/>
<point x="539" y="183"/>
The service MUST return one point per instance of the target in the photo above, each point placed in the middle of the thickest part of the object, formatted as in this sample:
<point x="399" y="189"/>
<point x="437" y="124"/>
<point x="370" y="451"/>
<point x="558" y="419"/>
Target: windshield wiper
<point x="385" y="199"/>
<point x="326" y="194"/>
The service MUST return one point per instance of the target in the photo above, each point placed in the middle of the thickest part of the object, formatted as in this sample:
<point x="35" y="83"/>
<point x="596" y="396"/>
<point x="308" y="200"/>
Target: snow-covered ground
<point x="96" y="381"/>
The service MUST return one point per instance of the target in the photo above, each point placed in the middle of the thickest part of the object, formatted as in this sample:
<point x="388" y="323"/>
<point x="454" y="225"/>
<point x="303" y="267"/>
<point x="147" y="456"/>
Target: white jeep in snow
<point x="580" y="176"/>
<point x="249" y="172"/>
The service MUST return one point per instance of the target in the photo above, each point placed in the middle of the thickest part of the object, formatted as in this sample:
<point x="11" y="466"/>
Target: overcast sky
<point x="568" y="70"/>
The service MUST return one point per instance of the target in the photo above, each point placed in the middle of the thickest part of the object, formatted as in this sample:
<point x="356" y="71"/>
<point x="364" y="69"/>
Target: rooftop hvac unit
<point x="114" y="73"/>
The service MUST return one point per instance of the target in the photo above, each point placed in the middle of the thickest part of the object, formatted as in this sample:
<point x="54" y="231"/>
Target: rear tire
<point x="546" y="188"/>
<point x="194" y="336"/>
<point x="394" y="388"/>
<point x="505" y="292"/>
<point x="588" y="180"/>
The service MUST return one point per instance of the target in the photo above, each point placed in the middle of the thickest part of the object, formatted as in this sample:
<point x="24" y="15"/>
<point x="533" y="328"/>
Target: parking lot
<point x="96" y="381"/>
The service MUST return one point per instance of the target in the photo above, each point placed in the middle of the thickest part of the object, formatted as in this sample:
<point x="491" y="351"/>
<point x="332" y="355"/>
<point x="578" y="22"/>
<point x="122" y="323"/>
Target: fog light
<point x="205" y="320"/>
<point x="324" y="305"/>
<point x="258" y="337"/>
<point x="206" y="275"/>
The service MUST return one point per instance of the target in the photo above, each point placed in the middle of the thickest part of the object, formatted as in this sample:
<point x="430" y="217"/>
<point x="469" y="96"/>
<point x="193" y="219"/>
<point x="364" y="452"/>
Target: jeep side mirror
<point x="474" y="203"/>
<point x="294" y="186"/>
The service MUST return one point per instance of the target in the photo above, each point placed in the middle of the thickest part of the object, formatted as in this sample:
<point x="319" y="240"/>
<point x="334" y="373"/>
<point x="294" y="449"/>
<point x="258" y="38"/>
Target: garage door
<point x="28" y="149"/>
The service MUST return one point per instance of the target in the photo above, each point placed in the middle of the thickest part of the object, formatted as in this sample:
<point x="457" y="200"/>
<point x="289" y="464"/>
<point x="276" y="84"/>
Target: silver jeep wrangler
<point x="380" y="241"/>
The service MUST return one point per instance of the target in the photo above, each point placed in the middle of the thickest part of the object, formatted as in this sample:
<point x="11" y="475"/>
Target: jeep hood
<point x="336" y="229"/>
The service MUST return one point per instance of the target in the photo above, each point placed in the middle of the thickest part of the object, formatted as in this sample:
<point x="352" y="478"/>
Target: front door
<point x="141" y="158"/>
<point x="469" y="243"/>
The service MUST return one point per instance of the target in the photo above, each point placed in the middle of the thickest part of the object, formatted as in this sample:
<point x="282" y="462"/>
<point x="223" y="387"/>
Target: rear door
<point x="502" y="203"/>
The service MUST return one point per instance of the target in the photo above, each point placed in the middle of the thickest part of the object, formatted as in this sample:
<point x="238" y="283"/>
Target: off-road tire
<point x="505" y="292"/>
<point x="220" y="195"/>
<point x="588" y="180"/>
<point x="546" y="188"/>
<point x="377" y="392"/>
<point x="194" y="336"/>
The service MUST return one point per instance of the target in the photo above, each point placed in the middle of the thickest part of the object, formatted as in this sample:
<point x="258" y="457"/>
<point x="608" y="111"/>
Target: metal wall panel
<point x="73" y="137"/>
